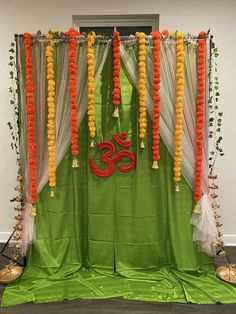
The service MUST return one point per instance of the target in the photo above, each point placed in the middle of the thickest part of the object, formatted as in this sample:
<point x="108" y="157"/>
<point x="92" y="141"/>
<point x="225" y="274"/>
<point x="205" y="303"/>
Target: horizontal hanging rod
<point x="105" y="38"/>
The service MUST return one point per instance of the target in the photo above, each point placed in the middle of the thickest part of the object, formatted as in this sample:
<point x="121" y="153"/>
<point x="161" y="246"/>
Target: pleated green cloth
<point x="128" y="235"/>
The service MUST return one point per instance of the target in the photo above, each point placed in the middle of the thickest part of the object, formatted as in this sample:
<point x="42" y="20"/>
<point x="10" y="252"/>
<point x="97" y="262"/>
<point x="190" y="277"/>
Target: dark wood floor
<point x="118" y="306"/>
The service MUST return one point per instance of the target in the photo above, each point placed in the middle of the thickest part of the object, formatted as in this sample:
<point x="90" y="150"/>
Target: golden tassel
<point x="52" y="194"/>
<point x="197" y="209"/>
<point x="177" y="189"/>
<point x="142" y="145"/>
<point x="33" y="211"/>
<point x="92" y="144"/>
<point x="75" y="163"/>
<point x="155" y="164"/>
<point x="116" y="113"/>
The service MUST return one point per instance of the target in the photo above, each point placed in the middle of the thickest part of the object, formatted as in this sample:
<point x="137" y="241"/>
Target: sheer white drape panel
<point x="204" y="224"/>
<point x="63" y="134"/>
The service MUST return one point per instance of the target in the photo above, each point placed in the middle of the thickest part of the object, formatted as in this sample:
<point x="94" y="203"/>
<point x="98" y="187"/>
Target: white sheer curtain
<point x="204" y="224"/>
<point x="62" y="111"/>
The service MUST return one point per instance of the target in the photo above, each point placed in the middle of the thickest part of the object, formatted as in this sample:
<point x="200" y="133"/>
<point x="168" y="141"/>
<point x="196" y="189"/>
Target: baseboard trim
<point x="4" y="236"/>
<point x="229" y="239"/>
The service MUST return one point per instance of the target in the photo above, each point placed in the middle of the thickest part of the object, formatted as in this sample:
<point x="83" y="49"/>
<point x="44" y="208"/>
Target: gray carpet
<point x="118" y="306"/>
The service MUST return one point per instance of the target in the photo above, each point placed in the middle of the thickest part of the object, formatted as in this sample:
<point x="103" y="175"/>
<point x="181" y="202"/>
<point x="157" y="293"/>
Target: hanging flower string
<point x="142" y="87"/>
<point x="179" y="108"/>
<point x="91" y="88"/>
<point x="156" y="99"/>
<point x="30" y="119"/>
<point x="72" y="33"/>
<point x="51" y="113"/>
<point x="116" y="74"/>
<point x="200" y="117"/>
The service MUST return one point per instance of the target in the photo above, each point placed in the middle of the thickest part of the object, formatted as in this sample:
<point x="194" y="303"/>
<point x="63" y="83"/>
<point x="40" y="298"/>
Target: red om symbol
<point x="111" y="161"/>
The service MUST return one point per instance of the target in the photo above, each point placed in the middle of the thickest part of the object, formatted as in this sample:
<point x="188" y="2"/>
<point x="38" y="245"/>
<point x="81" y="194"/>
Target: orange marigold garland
<point x="30" y="118"/>
<point x="200" y="108"/>
<point x="179" y="108"/>
<point x="156" y="99"/>
<point x="91" y="88"/>
<point x="142" y="87"/>
<point x="72" y="33"/>
<point x="51" y="113"/>
<point x="116" y="74"/>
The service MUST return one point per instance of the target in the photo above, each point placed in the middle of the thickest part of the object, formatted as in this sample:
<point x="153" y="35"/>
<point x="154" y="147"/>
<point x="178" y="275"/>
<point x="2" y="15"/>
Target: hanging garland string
<point x="72" y="33"/>
<point x="116" y="74"/>
<point x="142" y="87"/>
<point x="30" y="118"/>
<point x="179" y="108"/>
<point x="51" y="113"/>
<point x="91" y="88"/>
<point x="200" y="108"/>
<point x="156" y="98"/>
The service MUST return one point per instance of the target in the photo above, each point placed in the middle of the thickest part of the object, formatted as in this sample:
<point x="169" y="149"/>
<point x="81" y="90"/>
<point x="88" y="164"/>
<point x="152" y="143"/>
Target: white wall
<point x="186" y="15"/>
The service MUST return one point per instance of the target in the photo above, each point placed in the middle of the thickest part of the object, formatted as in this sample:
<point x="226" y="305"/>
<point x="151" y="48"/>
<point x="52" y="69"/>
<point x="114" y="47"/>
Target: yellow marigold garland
<point x="51" y="113"/>
<point x="179" y="108"/>
<point x="91" y="88"/>
<point x="142" y="87"/>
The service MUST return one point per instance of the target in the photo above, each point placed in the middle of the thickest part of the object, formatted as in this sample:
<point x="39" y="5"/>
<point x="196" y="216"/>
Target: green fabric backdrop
<point x="124" y="236"/>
